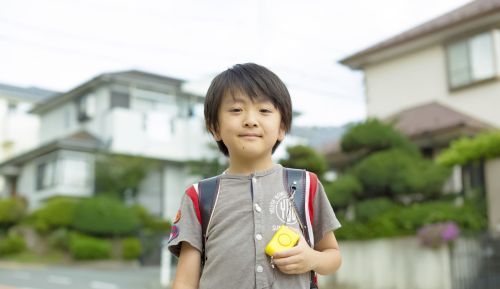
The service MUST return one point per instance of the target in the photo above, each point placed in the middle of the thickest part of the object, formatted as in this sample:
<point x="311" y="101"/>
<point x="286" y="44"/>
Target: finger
<point x="286" y="253"/>
<point x="287" y="261"/>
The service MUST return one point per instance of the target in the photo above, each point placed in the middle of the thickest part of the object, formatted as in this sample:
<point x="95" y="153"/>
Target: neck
<point x="247" y="167"/>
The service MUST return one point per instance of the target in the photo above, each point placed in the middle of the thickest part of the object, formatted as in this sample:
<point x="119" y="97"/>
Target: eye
<point x="265" y="110"/>
<point x="235" y="109"/>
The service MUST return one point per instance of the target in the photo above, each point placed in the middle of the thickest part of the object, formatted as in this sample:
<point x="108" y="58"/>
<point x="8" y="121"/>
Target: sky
<point x="59" y="44"/>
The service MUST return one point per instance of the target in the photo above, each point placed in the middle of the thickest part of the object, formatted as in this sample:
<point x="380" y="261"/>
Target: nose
<point x="250" y="120"/>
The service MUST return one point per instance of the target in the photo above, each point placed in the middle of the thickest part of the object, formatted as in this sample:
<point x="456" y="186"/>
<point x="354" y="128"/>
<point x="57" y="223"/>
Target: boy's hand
<point x="297" y="260"/>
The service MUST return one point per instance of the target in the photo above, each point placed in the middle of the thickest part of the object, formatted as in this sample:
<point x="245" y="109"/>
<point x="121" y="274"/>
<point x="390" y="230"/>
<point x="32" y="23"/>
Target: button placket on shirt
<point x="258" y="229"/>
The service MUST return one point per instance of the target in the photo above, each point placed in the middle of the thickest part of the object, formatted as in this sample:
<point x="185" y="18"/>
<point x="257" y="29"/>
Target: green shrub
<point x="373" y="135"/>
<point x="131" y="248"/>
<point x="466" y="150"/>
<point x="305" y="157"/>
<point x="403" y="221"/>
<point x="12" y="244"/>
<point x="12" y="210"/>
<point x="57" y="213"/>
<point x="149" y="222"/>
<point x="59" y="239"/>
<point x="343" y="190"/>
<point x="105" y="217"/>
<point x="396" y="172"/>
<point x="371" y="209"/>
<point x="84" y="247"/>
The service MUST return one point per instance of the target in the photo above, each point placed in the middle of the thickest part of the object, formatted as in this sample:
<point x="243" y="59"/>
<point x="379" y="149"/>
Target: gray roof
<point x="128" y="76"/>
<point x="31" y="94"/>
<point x="433" y="117"/>
<point x="469" y="12"/>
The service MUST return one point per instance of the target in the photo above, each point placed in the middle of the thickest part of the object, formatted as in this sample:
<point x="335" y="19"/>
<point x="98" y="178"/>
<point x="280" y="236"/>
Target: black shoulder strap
<point x="207" y="194"/>
<point x="296" y="180"/>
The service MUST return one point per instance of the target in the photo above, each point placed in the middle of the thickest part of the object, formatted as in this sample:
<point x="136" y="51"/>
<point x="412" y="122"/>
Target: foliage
<point x="435" y="235"/>
<point x="398" y="220"/>
<point x="396" y="172"/>
<point x="370" y="209"/>
<point x="147" y="221"/>
<point x="131" y="248"/>
<point x="343" y="190"/>
<point x="12" y="210"/>
<point x="84" y="247"/>
<point x="373" y="135"/>
<point x="57" y="213"/>
<point x="117" y="174"/>
<point x="466" y="150"/>
<point x="59" y="239"/>
<point x="104" y="216"/>
<point x="12" y="244"/>
<point x="305" y="157"/>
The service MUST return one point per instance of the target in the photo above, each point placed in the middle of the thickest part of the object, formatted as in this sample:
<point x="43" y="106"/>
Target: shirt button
<point x="254" y="179"/>
<point x="258" y="237"/>
<point x="258" y="208"/>
<point x="260" y="269"/>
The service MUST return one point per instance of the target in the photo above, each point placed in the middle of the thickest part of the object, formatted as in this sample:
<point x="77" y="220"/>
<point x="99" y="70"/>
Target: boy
<point x="248" y="111"/>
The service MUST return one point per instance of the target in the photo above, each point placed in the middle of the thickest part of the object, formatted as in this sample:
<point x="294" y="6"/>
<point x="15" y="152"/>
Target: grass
<point x="51" y="257"/>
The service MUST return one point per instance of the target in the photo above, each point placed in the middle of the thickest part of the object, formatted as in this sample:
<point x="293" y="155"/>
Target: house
<point x="18" y="128"/>
<point x="439" y="81"/>
<point x="131" y="113"/>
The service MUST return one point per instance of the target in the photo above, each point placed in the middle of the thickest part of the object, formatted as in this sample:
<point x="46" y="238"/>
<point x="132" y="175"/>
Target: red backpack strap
<point x="192" y="193"/>
<point x="312" y="186"/>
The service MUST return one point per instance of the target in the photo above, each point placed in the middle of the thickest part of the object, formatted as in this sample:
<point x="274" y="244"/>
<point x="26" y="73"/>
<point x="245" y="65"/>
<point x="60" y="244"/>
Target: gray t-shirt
<point x="247" y="213"/>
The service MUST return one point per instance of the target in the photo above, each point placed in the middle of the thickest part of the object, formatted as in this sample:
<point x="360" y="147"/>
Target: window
<point x="45" y="175"/>
<point x="120" y="99"/>
<point x="75" y="172"/>
<point x="470" y="60"/>
<point x="86" y="107"/>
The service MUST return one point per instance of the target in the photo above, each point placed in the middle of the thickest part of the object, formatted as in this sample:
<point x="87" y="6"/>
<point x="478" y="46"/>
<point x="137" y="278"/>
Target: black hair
<point x="253" y="80"/>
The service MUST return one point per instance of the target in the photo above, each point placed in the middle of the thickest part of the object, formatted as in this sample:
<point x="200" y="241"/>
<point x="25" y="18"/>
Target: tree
<point x="118" y="174"/>
<point x="305" y="157"/>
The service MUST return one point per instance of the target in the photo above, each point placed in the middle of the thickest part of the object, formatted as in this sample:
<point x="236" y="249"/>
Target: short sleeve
<point x="324" y="220"/>
<point x="186" y="227"/>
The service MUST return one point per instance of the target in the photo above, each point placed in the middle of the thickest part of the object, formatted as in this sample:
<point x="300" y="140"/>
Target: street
<point x="47" y="277"/>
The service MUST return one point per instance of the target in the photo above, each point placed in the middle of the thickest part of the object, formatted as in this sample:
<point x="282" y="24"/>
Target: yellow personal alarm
<point x="283" y="239"/>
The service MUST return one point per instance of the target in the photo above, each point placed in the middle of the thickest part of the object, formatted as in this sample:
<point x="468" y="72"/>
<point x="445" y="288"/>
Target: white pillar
<point x="166" y="268"/>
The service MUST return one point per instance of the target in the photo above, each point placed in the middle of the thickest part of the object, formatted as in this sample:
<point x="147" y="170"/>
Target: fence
<point x="475" y="263"/>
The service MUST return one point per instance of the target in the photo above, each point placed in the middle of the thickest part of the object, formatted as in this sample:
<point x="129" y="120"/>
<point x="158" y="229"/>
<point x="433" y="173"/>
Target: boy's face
<point x="249" y="129"/>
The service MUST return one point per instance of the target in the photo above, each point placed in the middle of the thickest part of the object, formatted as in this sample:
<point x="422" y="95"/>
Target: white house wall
<point x="176" y="180"/>
<point x="62" y="120"/>
<point x="28" y="177"/>
<point x="18" y="128"/>
<point x="186" y="142"/>
<point x="421" y="77"/>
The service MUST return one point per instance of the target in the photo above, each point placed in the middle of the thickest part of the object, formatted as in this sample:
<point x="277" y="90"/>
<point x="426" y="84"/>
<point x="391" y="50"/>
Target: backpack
<point x="302" y="182"/>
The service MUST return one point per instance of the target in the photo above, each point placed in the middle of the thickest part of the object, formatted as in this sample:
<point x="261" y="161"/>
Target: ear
<point x="217" y="137"/>
<point x="215" y="134"/>
<point x="281" y="134"/>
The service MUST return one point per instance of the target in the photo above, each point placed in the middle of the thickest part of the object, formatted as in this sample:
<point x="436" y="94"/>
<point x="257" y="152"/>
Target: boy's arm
<point x="187" y="275"/>
<point x="324" y="258"/>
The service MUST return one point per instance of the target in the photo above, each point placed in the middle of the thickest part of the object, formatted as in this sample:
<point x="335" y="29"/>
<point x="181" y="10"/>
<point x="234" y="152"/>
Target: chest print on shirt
<point x="282" y="208"/>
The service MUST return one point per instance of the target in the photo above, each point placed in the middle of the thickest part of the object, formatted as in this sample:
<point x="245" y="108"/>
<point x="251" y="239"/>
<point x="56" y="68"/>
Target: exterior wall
<point x="64" y="184"/>
<point x="18" y="129"/>
<point x="421" y="77"/>
<point x="185" y="142"/>
<point x="175" y="181"/>
<point x="492" y="172"/>
<point x="62" y="121"/>
<point x="59" y="122"/>
<point x="391" y="263"/>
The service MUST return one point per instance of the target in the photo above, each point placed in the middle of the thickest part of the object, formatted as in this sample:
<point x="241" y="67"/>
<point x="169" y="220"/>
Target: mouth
<point x="250" y="135"/>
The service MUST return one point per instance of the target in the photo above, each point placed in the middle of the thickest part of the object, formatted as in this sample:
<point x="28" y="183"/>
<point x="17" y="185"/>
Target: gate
<point x="475" y="263"/>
